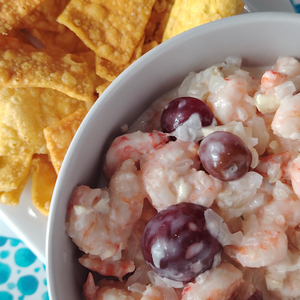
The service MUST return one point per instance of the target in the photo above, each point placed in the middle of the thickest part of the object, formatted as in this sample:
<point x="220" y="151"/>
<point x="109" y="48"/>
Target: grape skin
<point x="225" y="156"/>
<point x="179" y="111"/>
<point x="176" y="243"/>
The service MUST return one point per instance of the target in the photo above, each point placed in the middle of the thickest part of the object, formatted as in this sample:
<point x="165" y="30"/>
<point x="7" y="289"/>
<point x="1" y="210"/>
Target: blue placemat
<point x="22" y="274"/>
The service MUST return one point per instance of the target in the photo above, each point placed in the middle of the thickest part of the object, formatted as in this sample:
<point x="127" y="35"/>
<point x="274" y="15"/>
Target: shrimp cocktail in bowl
<point x="183" y="181"/>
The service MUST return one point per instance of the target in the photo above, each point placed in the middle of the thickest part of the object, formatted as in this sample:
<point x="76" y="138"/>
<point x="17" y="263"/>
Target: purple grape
<point x="257" y="295"/>
<point x="176" y="243"/>
<point x="179" y="110"/>
<point x="225" y="156"/>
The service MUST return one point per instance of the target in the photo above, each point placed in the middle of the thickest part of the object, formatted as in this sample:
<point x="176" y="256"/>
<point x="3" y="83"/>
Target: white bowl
<point x="259" y="38"/>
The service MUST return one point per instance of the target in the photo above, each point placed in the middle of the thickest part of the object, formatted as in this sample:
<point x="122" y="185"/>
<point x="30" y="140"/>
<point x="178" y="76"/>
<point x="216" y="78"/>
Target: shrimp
<point x="286" y="122"/>
<point x="100" y="221"/>
<point x="170" y="176"/>
<point x="107" y="267"/>
<point x="132" y="145"/>
<point x="220" y="283"/>
<point x="153" y="292"/>
<point x="275" y="167"/>
<point x="283" y="278"/>
<point x="295" y="175"/>
<point x="110" y="291"/>
<point x="271" y="79"/>
<point x="288" y="66"/>
<point x="262" y="244"/>
<point x="232" y="102"/>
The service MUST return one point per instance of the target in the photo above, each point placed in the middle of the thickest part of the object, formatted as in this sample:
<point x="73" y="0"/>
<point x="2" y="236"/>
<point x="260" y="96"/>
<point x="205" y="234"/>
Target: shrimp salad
<point x="203" y="199"/>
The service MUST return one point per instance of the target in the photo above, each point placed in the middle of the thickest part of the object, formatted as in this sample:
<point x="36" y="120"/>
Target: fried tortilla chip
<point x="112" y="29"/>
<point x="13" y="170"/>
<point x="158" y="21"/>
<point x="67" y="41"/>
<point x="90" y="58"/>
<point x="60" y="135"/>
<point x="192" y="13"/>
<point x="43" y="17"/>
<point x="12" y="11"/>
<point x="109" y="70"/>
<point x="147" y="47"/>
<point x="101" y="88"/>
<point x="20" y="35"/>
<point x="24" y="113"/>
<point x="12" y="197"/>
<point x="43" y="182"/>
<point x="23" y="65"/>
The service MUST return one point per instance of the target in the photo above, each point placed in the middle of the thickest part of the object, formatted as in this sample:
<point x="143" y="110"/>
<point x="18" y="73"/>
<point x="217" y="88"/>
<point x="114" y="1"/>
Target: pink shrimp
<point x="107" y="267"/>
<point x="131" y="145"/>
<point x="295" y="175"/>
<point x="170" y="176"/>
<point x="271" y="79"/>
<point x="100" y="221"/>
<point x="220" y="283"/>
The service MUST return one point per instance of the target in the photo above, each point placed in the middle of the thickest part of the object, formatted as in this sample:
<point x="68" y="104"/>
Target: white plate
<point x="30" y="225"/>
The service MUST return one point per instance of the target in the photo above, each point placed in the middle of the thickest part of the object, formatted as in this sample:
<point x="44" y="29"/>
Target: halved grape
<point x="176" y="243"/>
<point x="179" y="110"/>
<point x="225" y="156"/>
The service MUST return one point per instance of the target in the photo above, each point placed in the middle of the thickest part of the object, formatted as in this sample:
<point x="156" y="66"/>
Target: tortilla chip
<point x="12" y="197"/>
<point x="23" y="65"/>
<point x="24" y="113"/>
<point x="172" y="20"/>
<point x="147" y="47"/>
<point x="68" y="41"/>
<point x="112" y="29"/>
<point x="59" y="136"/>
<point x="192" y="13"/>
<point x="13" y="170"/>
<point x="43" y="17"/>
<point x="101" y="88"/>
<point x="43" y="182"/>
<point x="158" y="21"/>
<point x="20" y="35"/>
<point x="12" y="11"/>
<point x="90" y="58"/>
<point x="109" y="70"/>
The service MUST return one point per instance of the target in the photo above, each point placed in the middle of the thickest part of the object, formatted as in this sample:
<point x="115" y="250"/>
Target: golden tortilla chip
<point x="23" y="65"/>
<point x="147" y="47"/>
<point x="101" y="88"/>
<point x="90" y="58"/>
<point x="172" y="19"/>
<point x="67" y="41"/>
<point x="12" y="11"/>
<point x="43" y="17"/>
<point x="109" y="70"/>
<point x="43" y="182"/>
<point x="24" y="113"/>
<point x="192" y="13"/>
<point x="59" y="136"/>
<point x="20" y="35"/>
<point x="158" y="21"/>
<point x="112" y="29"/>
<point x="13" y="170"/>
<point x="12" y="197"/>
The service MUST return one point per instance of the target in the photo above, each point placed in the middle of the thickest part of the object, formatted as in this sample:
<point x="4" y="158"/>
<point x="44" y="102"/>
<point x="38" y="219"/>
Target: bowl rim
<point x="119" y="82"/>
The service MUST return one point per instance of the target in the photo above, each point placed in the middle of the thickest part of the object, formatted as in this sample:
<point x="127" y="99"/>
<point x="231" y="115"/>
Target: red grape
<point x="225" y="156"/>
<point x="179" y="110"/>
<point x="176" y="243"/>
